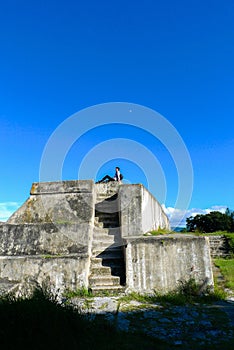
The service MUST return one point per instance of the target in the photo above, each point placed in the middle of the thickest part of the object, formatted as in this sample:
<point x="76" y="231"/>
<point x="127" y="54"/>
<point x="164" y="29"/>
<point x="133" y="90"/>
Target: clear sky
<point x="174" y="57"/>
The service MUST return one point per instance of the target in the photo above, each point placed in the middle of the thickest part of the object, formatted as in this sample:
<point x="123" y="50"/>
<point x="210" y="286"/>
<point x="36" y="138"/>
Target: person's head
<point x="117" y="168"/>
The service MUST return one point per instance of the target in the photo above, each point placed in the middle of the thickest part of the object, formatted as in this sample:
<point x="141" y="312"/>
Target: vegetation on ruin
<point x="187" y="292"/>
<point x="81" y="292"/>
<point x="160" y="231"/>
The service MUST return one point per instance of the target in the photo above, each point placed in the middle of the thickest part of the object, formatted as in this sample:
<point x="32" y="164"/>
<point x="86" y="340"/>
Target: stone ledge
<point x="43" y="257"/>
<point x="58" y="187"/>
<point x="152" y="239"/>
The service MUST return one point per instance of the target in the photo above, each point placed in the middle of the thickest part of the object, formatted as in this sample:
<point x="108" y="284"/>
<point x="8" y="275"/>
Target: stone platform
<point x="74" y="234"/>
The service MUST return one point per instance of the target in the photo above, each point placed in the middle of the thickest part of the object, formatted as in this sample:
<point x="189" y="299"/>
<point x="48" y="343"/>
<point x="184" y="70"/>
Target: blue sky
<point x="174" y="57"/>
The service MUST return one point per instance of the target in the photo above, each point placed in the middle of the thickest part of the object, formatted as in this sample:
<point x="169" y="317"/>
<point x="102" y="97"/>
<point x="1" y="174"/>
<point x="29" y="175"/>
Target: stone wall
<point x="160" y="262"/>
<point x="49" y="237"/>
<point x="56" y="273"/>
<point x="44" y="238"/>
<point x="220" y="247"/>
<point x="140" y="211"/>
<point x="57" y="202"/>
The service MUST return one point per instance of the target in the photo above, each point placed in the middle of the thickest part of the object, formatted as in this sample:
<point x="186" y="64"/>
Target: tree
<point x="230" y="215"/>
<point x="214" y="221"/>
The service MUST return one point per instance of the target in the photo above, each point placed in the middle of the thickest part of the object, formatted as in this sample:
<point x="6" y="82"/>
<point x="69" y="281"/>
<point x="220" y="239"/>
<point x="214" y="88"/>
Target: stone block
<point x="57" y="274"/>
<point x="140" y="211"/>
<point x="158" y="263"/>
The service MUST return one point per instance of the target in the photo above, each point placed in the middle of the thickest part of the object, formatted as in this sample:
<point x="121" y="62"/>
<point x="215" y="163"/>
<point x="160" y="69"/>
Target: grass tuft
<point x="187" y="292"/>
<point x="82" y="292"/>
<point x="161" y="231"/>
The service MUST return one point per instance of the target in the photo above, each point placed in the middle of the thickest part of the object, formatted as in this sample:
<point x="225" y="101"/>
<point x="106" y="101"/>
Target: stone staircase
<point x="107" y="271"/>
<point x="219" y="247"/>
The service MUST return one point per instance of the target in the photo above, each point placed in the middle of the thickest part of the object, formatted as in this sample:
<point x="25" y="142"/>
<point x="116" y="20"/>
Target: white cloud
<point x="177" y="217"/>
<point x="7" y="209"/>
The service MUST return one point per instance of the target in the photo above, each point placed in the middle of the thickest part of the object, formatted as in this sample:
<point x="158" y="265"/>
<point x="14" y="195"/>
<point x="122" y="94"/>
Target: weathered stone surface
<point x="220" y="247"/>
<point x="57" y="273"/>
<point x="57" y="202"/>
<point x="160" y="262"/>
<point x="49" y="237"/>
<point x="52" y="238"/>
<point x="45" y="238"/>
<point x="140" y="211"/>
<point x="191" y="326"/>
<point x="72" y="186"/>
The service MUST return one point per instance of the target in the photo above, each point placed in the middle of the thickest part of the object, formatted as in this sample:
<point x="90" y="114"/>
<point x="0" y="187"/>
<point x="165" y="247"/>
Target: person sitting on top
<point x="117" y="177"/>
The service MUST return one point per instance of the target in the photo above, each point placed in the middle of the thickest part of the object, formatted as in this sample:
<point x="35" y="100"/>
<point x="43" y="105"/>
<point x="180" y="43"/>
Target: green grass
<point x="187" y="292"/>
<point x="42" y="323"/>
<point x="226" y="267"/>
<point x="82" y="292"/>
<point x="216" y="233"/>
<point x="161" y="231"/>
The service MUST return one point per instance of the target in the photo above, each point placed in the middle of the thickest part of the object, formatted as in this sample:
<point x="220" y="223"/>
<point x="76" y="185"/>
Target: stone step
<point x="110" y="195"/>
<point x="107" y="207"/>
<point x="107" y="241"/>
<point x="102" y="246"/>
<point x="95" y="262"/>
<point x="112" y="252"/>
<point x="103" y="249"/>
<point x="100" y="270"/>
<point x="108" y="289"/>
<point x="104" y="281"/>
<point x="107" y="215"/>
<point x="106" y="219"/>
<point x="107" y="262"/>
<point x="106" y="200"/>
<point x="103" y="240"/>
<point x="98" y="224"/>
<point x="106" y="233"/>
<point x="109" y="267"/>
<point x="105" y="190"/>
<point x="110" y="262"/>
<point x="118" y="270"/>
<point x="116" y="262"/>
<point x="106" y="224"/>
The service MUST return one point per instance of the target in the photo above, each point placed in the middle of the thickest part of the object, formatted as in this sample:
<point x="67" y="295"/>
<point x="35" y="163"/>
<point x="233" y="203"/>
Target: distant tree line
<point x="214" y="221"/>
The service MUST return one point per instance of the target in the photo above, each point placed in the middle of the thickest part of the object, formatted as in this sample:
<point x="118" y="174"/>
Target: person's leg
<point x="110" y="178"/>
<point x="107" y="177"/>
